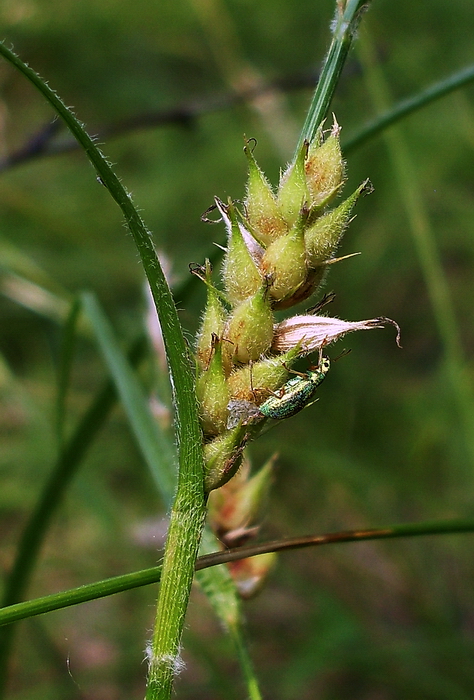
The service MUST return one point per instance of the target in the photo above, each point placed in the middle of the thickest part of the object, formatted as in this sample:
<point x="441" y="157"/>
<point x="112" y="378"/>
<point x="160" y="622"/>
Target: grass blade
<point x="344" y="25"/>
<point x="155" y="446"/>
<point x="65" y="364"/>
<point x="126" y="582"/>
<point x="61" y="476"/>
<point x="409" y="105"/>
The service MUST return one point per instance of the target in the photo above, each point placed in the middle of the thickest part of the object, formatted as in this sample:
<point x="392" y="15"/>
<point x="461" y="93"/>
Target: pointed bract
<point x="293" y="192"/>
<point x="238" y="503"/>
<point x="249" y="331"/>
<point x="324" y="236"/>
<point x="313" y="332"/>
<point x="324" y="168"/>
<point x="262" y="211"/>
<point x="213" y="394"/>
<point x="284" y="261"/>
<point x="212" y="322"/>
<point x="240" y="273"/>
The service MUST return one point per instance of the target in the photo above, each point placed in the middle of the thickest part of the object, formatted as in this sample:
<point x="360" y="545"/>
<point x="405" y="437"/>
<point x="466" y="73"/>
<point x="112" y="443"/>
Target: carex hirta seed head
<point x="280" y="245"/>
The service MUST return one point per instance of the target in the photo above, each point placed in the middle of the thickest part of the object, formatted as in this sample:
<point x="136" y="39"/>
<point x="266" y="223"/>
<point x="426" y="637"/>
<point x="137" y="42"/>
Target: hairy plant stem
<point x="188" y="511"/>
<point x="182" y="546"/>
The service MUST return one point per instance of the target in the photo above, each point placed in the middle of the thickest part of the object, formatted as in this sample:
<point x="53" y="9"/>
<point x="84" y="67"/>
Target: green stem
<point x="407" y="106"/>
<point x="126" y="582"/>
<point x="344" y="26"/>
<point x="237" y="636"/>
<point x="174" y="340"/>
<point x="76" y="596"/>
<point x="221" y="591"/>
<point x="182" y="546"/>
<point x="187" y="515"/>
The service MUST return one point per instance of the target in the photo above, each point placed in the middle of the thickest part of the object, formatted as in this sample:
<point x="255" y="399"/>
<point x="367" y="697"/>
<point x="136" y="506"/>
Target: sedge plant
<point x="240" y="377"/>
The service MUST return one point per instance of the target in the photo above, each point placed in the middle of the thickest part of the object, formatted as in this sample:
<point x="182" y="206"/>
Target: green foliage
<point x="384" y="444"/>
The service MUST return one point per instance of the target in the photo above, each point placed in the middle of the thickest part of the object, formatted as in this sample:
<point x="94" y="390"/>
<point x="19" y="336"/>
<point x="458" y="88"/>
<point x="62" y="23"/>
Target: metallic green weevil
<point x="296" y="393"/>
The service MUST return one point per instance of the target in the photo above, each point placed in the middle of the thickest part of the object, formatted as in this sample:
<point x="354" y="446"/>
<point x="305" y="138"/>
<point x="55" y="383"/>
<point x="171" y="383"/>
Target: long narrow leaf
<point x="408" y="106"/>
<point x="153" y="442"/>
<point x="65" y="364"/>
<point x="344" y="25"/>
<point x="61" y="476"/>
<point x="136" y="579"/>
<point x="174" y="341"/>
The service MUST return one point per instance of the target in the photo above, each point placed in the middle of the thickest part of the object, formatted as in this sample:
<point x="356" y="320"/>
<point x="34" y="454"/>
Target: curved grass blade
<point x="126" y="582"/>
<point x="174" y="340"/>
<point x="344" y="25"/>
<point x="155" y="446"/>
<point x="65" y="364"/>
<point x="53" y="491"/>
<point x="408" y="106"/>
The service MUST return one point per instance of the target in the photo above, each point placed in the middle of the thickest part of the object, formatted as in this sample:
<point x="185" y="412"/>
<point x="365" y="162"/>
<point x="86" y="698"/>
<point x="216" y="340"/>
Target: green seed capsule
<point x="296" y="393"/>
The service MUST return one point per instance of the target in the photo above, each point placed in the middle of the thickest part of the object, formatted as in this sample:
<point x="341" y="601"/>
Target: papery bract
<point x="314" y="332"/>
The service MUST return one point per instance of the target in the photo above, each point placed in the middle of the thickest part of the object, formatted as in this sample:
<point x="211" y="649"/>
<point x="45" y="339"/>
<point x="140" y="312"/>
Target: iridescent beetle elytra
<point x="296" y="393"/>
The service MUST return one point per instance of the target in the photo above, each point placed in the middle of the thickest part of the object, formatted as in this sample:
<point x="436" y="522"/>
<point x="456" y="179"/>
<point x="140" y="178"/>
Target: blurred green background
<point x="390" y="439"/>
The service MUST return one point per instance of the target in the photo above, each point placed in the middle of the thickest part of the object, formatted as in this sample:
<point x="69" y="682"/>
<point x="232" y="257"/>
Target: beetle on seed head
<point x="297" y="393"/>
